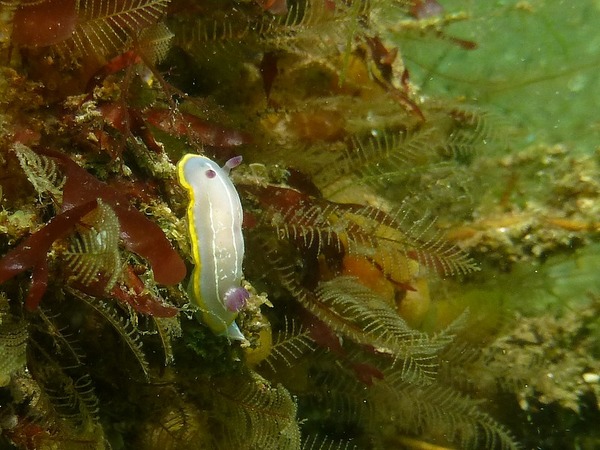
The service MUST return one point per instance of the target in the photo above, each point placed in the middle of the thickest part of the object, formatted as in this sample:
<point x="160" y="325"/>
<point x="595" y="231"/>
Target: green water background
<point x="536" y="64"/>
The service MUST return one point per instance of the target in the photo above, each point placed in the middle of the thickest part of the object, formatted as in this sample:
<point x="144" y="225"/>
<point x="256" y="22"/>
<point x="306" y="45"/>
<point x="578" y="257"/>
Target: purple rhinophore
<point x="232" y="163"/>
<point x="235" y="299"/>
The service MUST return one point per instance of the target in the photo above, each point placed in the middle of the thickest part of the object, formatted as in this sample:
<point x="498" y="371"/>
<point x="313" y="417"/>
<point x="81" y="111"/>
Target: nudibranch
<point x="215" y="227"/>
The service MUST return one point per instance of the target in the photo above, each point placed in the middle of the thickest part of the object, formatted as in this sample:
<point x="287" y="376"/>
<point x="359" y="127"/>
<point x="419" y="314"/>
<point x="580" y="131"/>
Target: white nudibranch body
<point x="215" y="228"/>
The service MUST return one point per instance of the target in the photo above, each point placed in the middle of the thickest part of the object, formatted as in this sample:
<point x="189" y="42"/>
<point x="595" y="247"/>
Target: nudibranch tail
<point x="233" y="332"/>
<point x="215" y="228"/>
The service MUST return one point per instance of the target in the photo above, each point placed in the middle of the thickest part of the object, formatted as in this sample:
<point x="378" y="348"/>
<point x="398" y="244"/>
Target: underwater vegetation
<point x="384" y="250"/>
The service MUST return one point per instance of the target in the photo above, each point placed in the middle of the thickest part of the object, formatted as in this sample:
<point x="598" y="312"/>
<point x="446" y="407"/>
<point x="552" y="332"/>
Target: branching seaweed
<point x="174" y="424"/>
<point x="317" y="443"/>
<point x="94" y="251"/>
<point x="13" y="342"/>
<point x="123" y="326"/>
<point x="106" y="26"/>
<point x="258" y="415"/>
<point x="436" y="413"/>
<point x="356" y="312"/>
<point x="43" y="173"/>
<point x="63" y="376"/>
<point x="391" y="240"/>
<point x="378" y="160"/>
<point x="290" y="344"/>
